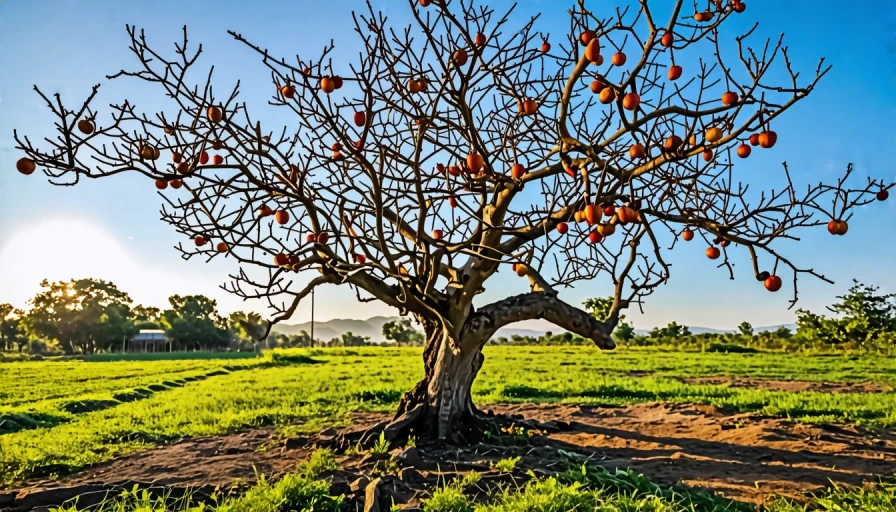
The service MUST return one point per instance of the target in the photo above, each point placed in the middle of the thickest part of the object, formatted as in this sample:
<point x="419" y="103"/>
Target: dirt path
<point x="789" y="385"/>
<point x="742" y="456"/>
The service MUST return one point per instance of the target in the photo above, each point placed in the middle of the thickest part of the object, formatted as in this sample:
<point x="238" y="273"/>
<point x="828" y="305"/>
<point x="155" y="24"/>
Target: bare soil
<point x="789" y="385"/>
<point x="741" y="456"/>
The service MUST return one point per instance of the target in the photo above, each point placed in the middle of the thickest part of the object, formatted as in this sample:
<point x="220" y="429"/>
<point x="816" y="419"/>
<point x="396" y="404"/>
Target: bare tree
<point x="461" y="146"/>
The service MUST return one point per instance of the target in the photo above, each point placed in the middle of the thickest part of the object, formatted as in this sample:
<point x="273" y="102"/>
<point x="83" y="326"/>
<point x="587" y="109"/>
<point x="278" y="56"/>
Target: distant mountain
<point x="373" y="328"/>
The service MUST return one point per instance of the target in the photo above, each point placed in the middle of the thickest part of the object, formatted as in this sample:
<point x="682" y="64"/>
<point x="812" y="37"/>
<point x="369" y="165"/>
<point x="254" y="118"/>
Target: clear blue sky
<point x="110" y="228"/>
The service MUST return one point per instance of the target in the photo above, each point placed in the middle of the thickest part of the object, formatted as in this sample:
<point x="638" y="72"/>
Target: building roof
<point x="152" y="331"/>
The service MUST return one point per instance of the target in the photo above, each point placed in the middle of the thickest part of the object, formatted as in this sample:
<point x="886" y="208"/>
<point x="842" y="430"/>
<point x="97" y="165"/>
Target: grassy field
<point x="61" y="416"/>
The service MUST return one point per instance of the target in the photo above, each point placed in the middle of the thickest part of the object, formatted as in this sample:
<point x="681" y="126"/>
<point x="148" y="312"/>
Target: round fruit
<point x="883" y="195"/>
<point x="414" y="86"/>
<point x="183" y="168"/>
<point x="218" y="145"/>
<point x="215" y="114"/>
<point x="597" y="86"/>
<point x="579" y="216"/>
<point x="437" y="234"/>
<point x="672" y="143"/>
<point x="592" y="51"/>
<point x="480" y="39"/>
<point x="176" y="184"/>
<point x="221" y="247"/>
<point x="292" y="259"/>
<point x="517" y="171"/>
<point x="713" y="253"/>
<point x="609" y="210"/>
<point x="545" y="47"/>
<point x="707" y="155"/>
<point x="768" y="139"/>
<point x="199" y="240"/>
<point x="725" y="242"/>
<point x="618" y="59"/>
<point x="687" y="235"/>
<point x="176" y="157"/>
<point x="310" y="237"/>
<point x="530" y="107"/>
<point x="25" y="166"/>
<point x="713" y="135"/>
<point x="281" y="259"/>
<point x="425" y="3"/>
<point x="637" y="151"/>
<point x="773" y="283"/>
<point x="327" y="84"/>
<point x="631" y="101"/>
<point x="587" y="36"/>
<point x="454" y="170"/>
<point x="203" y="158"/>
<point x="595" y="238"/>
<point x="729" y="98"/>
<point x="699" y="16"/>
<point x="607" y="95"/>
<point x="337" y="81"/>
<point x="265" y="211"/>
<point x="606" y="230"/>
<point x="282" y="217"/>
<point x="322" y="237"/>
<point x="288" y="91"/>
<point x="360" y="258"/>
<point x="360" y="118"/>
<point x="675" y="72"/>
<point x="740" y="7"/>
<point x="592" y="214"/>
<point x="460" y="57"/>
<point x="667" y="39"/>
<point x="218" y="159"/>
<point x="562" y="228"/>
<point x="754" y="139"/>
<point x="86" y="126"/>
<point x="521" y="269"/>
<point x="744" y="151"/>
<point x="474" y="162"/>
<point x="161" y="184"/>
<point x="452" y="201"/>
<point x="627" y="214"/>
<point x="838" y="227"/>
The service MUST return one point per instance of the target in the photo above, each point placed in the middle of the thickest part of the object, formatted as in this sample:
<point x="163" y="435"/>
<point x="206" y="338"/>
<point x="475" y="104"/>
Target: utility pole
<point x="312" y="317"/>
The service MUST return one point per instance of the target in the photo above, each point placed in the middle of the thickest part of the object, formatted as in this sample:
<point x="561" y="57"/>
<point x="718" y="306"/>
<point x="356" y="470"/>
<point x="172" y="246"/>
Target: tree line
<point x="86" y="316"/>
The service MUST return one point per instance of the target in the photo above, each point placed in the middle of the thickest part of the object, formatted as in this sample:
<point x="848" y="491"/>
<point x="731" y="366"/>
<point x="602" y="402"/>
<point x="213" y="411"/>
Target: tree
<point x="865" y="315"/>
<point x="83" y="315"/>
<point x="601" y="309"/>
<point x="745" y="328"/>
<point x="624" y="331"/>
<point x="350" y="340"/>
<point x="142" y="313"/>
<point x="11" y="328"/>
<point x="402" y="331"/>
<point x="247" y="326"/>
<point x="404" y="175"/>
<point x="673" y="330"/>
<point x="193" y="323"/>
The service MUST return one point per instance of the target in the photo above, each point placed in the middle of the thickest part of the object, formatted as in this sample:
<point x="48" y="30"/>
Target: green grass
<point x="169" y="356"/>
<point x="322" y="387"/>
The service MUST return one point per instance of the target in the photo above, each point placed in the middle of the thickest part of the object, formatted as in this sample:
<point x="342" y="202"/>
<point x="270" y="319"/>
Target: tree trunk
<point x="441" y="405"/>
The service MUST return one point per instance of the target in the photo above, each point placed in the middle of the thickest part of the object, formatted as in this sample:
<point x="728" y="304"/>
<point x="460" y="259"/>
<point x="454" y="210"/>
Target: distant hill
<point x="373" y="328"/>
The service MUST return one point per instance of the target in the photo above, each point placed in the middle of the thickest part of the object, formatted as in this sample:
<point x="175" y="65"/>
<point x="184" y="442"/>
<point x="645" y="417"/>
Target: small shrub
<point x="321" y="460"/>
<point x="506" y="465"/>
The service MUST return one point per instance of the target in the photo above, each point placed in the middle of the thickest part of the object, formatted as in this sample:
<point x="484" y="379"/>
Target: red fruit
<point x="454" y="170"/>
<point x="570" y="170"/>
<point x="437" y="234"/>
<point x="740" y="7"/>
<point x="360" y="118"/>
<point x="667" y="39"/>
<point x="474" y="162"/>
<point x="452" y="201"/>
<point x="627" y="214"/>
<point x="883" y="195"/>
<point x="609" y="210"/>
<point x="183" y="168"/>
<point x="530" y="107"/>
<point x="517" y="171"/>
<point x="282" y="217"/>
<point x="281" y="259"/>
<point x="631" y="101"/>
<point x="713" y="253"/>
<point x="218" y="159"/>
<point x="592" y="214"/>
<point x="327" y="85"/>
<point x="687" y="235"/>
<point x="773" y="283"/>
<point x="221" y="247"/>
<point x="838" y="227"/>
<point x="587" y="36"/>
<point x="699" y="16"/>
<point x="199" y="240"/>
<point x="203" y="158"/>
<point x="337" y="82"/>
<point x="562" y="228"/>
<point x="424" y="3"/>
<point x="754" y="139"/>
<point x="288" y="91"/>
<point x="360" y="258"/>
<point x="480" y="39"/>
<point x="545" y="47"/>
<point x="25" y="166"/>
<point x="215" y="114"/>
<point x="744" y="151"/>
<point x="674" y="72"/>
<point x="768" y="139"/>
<point x="618" y="59"/>
<point x="592" y="52"/>
<point x="521" y="269"/>
<point x="729" y="98"/>
<point x="707" y="155"/>
<point x="672" y="143"/>
<point x="176" y="157"/>
<point x="176" y="184"/>
<point x="322" y="237"/>
<point x="310" y="237"/>
<point x="460" y="57"/>
<point x="595" y="238"/>
<point x="292" y="259"/>
<point x="597" y="86"/>
<point x="161" y="184"/>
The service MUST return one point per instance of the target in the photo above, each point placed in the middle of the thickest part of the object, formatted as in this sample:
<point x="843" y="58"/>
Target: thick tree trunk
<point x="441" y="405"/>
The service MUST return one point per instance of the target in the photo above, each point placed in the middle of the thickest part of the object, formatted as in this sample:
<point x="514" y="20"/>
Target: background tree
<point x="624" y="332"/>
<point x="745" y="328"/>
<point x="248" y="326"/>
<point x="83" y="315"/>
<point x="193" y="323"/>
<point x="12" y="331"/>
<point x="462" y="146"/>
<point x="402" y="332"/>
<point x="865" y="317"/>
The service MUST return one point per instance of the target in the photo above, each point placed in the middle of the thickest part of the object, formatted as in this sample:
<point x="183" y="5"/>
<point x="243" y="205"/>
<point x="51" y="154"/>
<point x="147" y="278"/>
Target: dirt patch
<point x="741" y="456"/>
<point x="789" y="385"/>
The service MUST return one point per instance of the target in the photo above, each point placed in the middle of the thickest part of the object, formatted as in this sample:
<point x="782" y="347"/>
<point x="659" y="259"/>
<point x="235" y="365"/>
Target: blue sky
<point x="110" y="228"/>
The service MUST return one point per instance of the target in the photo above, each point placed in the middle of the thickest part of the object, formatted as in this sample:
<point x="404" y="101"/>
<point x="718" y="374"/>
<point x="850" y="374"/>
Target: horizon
<point x="110" y="230"/>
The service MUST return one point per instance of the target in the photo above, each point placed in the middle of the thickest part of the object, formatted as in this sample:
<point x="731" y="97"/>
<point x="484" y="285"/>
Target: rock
<point x="374" y="457"/>
<point x="410" y="476"/>
<point x="372" y="497"/>
<point x="359" y="484"/>
<point x="328" y="433"/>
<point x="6" y="498"/>
<point x="294" y="443"/>
<point x="409" y="456"/>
